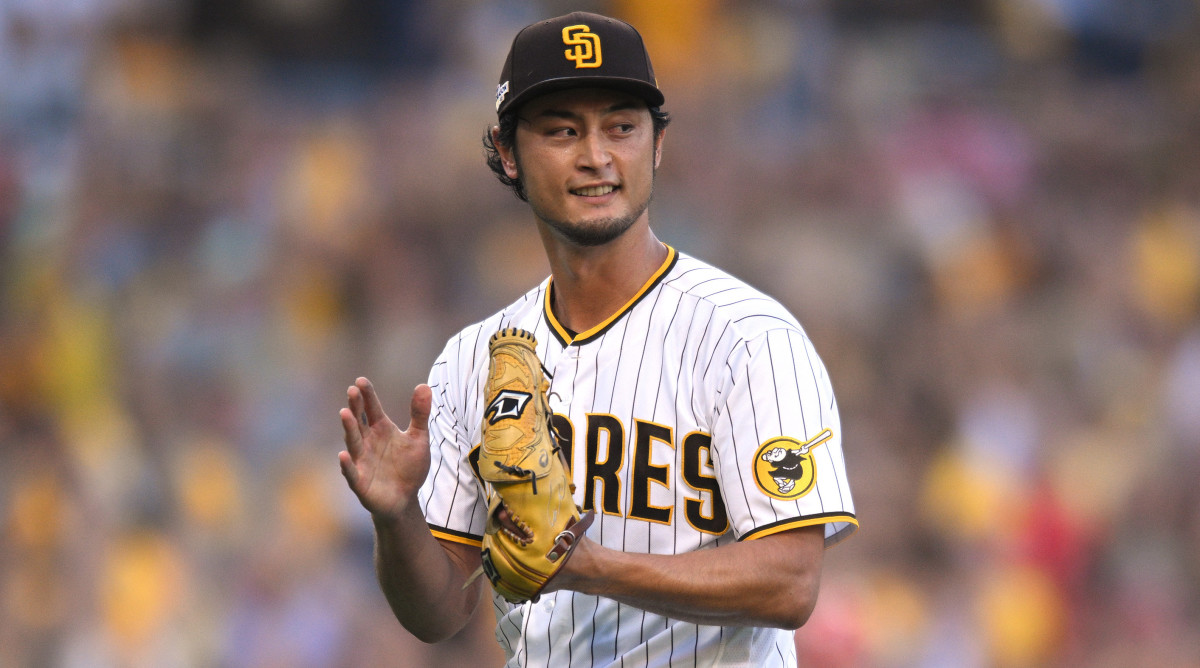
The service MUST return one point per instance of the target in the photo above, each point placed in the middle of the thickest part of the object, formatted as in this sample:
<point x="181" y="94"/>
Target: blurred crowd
<point x="215" y="215"/>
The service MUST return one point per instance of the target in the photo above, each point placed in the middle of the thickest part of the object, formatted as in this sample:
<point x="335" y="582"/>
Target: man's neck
<point x="592" y="283"/>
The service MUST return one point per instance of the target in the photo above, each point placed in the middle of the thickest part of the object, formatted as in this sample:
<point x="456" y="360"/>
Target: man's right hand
<point x="421" y="577"/>
<point x="384" y="465"/>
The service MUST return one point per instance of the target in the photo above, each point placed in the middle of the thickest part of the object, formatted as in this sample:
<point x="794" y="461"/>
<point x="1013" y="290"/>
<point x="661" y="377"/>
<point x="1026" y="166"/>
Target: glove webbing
<point x="520" y="472"/>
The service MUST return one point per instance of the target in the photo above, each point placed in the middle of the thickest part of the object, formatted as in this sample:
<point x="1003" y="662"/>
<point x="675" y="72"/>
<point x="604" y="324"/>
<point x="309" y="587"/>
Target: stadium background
<point x="215" y="214"/>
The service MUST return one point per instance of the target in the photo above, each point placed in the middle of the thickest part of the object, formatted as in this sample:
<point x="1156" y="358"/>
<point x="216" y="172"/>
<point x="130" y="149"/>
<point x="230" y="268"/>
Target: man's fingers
<point x="349" y="472"/>
<point x="419" y="408"/>
<point x="354" y="399"/>
<point x="371" y="407"/>
<point x="352" y="434"/>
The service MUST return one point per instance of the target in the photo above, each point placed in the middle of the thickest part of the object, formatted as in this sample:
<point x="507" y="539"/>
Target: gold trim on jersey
<point x="445" y="534"/>
<point x="798" y="522"/>
<point x="564" y="335"/>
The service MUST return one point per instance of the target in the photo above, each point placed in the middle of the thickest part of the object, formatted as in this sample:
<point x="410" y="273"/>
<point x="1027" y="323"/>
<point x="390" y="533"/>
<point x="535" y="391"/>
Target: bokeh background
<point x="215" y="214"/>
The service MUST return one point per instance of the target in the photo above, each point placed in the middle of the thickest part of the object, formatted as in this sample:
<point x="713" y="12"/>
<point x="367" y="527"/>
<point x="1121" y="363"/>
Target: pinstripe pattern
<point x="682" y="387"/>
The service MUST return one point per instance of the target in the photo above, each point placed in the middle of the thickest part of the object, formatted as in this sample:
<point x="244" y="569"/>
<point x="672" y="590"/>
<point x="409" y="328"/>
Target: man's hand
<point x="421" y="577"/>
<point x="383" y="465"/>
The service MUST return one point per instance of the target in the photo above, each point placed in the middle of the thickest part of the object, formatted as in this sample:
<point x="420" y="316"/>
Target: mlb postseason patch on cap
<point x="575" y="50"/>
<point x="501" y="91"/>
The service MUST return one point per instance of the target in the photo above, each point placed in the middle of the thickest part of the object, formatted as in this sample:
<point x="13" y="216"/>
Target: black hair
<point x="507" y="137"/>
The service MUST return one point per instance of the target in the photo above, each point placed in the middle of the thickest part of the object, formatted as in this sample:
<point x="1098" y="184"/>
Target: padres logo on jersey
<point x="586" y="46"/>
<point x="783" y="467"/>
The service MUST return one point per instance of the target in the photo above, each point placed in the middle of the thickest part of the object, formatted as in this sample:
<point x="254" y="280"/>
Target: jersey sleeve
<point x="778" y="441"/>
<point x="452" y="496"/>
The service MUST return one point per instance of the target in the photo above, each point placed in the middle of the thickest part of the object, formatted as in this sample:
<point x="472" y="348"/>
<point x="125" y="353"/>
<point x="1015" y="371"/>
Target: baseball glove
<point x="533" y="523"/>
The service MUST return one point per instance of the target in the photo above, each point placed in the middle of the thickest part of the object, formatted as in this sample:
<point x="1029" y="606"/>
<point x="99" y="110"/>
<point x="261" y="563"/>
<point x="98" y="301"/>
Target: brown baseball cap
<point x="578" y="49"/>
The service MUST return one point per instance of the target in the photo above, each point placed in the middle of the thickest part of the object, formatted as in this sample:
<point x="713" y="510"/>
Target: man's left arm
<point x="770" y="581"/>
<point x="777" y="397"/>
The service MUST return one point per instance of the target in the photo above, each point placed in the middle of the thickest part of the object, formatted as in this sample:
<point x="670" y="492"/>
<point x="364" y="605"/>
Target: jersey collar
<point x="566" y="337"/>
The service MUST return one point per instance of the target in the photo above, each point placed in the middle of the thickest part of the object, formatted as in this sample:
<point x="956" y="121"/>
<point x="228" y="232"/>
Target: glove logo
<point x="489" y="569"/>
<point x="586" y="46"/>
<point x="507" y="404"/>
<point x="783" y="466"/>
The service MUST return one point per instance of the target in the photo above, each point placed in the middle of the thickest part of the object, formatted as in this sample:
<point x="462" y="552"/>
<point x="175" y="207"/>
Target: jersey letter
<point x="697" y="447"/>
<point x="604" y="471"/>
<point x="644" y="472"/>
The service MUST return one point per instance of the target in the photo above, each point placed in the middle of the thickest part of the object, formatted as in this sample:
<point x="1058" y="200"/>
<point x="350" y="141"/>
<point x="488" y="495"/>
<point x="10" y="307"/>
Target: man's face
<point x="586" y="157"/>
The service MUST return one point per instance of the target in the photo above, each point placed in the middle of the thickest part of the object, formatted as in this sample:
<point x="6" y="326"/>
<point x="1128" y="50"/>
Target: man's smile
<point x="594" y="191"/>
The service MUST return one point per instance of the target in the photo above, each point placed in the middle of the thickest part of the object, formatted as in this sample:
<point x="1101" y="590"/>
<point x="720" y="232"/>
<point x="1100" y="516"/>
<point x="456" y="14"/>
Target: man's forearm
<point x="769" y="582"/>
<point x="421" y="580"/>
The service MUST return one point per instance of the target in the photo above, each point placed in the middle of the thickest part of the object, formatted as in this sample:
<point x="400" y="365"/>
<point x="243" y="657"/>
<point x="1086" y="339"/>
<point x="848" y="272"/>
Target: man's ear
<point x="507" y="158"/>
<point x="658" y="147"/>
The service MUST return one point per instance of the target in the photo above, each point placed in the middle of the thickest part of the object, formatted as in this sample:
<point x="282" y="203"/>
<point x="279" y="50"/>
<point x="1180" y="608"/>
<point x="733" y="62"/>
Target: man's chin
<point x="593" y="232"/>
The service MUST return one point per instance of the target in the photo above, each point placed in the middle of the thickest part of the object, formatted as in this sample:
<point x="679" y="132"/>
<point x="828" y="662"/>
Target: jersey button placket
<point x="564" y="375"/>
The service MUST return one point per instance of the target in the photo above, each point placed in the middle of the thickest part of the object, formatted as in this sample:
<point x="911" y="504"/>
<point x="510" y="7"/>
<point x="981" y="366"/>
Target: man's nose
<point x="594" y="151"/>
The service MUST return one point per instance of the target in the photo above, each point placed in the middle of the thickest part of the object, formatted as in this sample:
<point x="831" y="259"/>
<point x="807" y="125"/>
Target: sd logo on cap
<point x="601" y="52"/>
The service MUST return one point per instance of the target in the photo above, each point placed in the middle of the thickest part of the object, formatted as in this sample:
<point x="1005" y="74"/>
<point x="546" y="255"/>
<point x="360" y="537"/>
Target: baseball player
<point x="697" y="421"/>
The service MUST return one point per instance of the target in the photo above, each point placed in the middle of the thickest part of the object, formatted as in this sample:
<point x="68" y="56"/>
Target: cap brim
<point x="653" y="96"/>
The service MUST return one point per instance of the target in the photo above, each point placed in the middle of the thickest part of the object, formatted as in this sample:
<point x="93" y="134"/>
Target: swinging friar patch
<point x="783" y="466"/>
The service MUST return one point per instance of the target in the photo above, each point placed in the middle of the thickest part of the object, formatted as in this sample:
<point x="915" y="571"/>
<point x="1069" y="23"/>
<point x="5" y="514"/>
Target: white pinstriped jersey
<point x="697" y="415"/>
